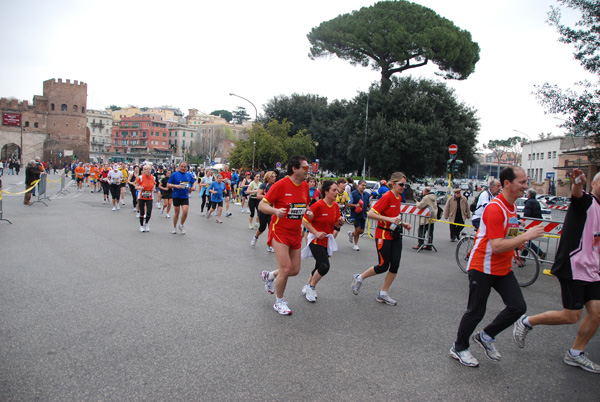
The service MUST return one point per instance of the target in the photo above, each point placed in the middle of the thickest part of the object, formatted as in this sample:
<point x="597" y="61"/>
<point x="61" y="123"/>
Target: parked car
<point x="372" y="186"/>
<point x="546" y="213"/>
<point x="441" y="196"/>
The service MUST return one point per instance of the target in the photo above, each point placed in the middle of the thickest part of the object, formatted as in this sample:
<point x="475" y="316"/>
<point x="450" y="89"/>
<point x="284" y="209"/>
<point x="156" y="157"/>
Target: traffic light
<point x="449" y="165"/>
<point x="456" y="166"/>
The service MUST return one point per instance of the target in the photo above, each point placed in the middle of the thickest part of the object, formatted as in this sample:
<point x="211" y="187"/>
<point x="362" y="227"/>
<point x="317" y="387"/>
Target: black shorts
<point x="226" y="194"/>
<point x="80" y="180"/>
<point x="215" y="204"/>
<point x="359" y="221"/>
<point x="123" y="185"/>
<point x="177" y="202"/>
<point x="166" y="195"/>
<point x="575" y="294"/>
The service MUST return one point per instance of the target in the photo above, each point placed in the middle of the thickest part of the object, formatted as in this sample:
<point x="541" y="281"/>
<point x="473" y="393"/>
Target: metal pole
<point x="532" y="154"/>
<point x="365" y="139"/>
<point x="255" y="121"/>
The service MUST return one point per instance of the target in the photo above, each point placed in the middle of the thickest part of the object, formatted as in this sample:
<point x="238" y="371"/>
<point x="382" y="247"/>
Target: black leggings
<point x="321" y="258"/>
<point x="133" y="195"/>
<point x="253" y="205"/>
<point x="264" y="220"/>
<point x="115" y="191"/>
<point x="145" y="209"/>
<point x="389" y="252"/>
<point x="204" y="198"/>
<point x="480" y="285"/>
<point x="105" y="187"/>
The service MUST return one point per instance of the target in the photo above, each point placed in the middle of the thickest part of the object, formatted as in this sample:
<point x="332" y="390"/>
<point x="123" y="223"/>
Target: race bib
<point x="296" y="210"/>
<point x="146" y="194"/>
<point x="114" y="181"/>
<point x="513" y="228"/>
<point x="184" y="184"/>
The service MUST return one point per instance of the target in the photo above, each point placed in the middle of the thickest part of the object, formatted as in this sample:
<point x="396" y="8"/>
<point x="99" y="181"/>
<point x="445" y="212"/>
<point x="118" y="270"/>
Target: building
<point x="142" y="133"/>
<point x="119" y="114"/>
<point x="100" y="124"/>
<point x="181" y="138"/>
<point x="53" y="127"/>
<point x="540" y="159"/>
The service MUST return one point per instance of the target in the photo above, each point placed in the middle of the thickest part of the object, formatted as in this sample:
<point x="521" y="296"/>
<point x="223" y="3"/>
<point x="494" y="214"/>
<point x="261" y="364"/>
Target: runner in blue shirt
<point x="216" y="190"/>
<point x="182" y="183"/>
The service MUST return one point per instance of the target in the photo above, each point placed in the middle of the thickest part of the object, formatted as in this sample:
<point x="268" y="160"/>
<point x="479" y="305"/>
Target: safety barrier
<point x="547" y="244"/>
<point x="559" y="207"/>
<point x="62" y="190"/>
<point x="417" y="218"/>
<point x="41" y="187"/>
<point x="1" y="209"/>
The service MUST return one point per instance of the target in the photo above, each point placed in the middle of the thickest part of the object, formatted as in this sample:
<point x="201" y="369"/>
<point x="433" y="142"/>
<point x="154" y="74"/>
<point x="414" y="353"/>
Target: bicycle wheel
<point x="526" y="267"/>
<point x="346" y="214"/>
<point x="463" y="252"/>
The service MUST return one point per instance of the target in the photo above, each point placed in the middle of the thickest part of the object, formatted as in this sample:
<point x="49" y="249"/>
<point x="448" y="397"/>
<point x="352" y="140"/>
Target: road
<point x="92" y="309"/>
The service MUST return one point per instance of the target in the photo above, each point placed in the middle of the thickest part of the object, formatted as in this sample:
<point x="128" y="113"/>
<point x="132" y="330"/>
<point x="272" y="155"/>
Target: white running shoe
<point x="181" y="229"/>
<point x="311" y="294"/>
<point x="174" y="231"/>
<point x="242" y="210"/>
<point x="114" y="209"/>
<point x="464" y="357"/>
<point x="168" y="216"/>
<point x="123" y="203"/>
<point x="118" y="207"/>
<point x="162" y="211"/>
<point x="203" y="214"/>
<point x="253" y="241"/>
<point x="304" y="288"/>
<point x="135" y="210"/>
<point x="158" y="204"/>
<point x="269" y="285"/>
<point x="137" y="214"/>
<point x="104" y="202"/>
<point x="219" y="221"/>
<point x="270" y="249"/>
<point x="142" y="229"/>
<point x="281" y="307"/>
<point x="228" y="214"/>
<point x="355" y="247"/>
<point x="147" y="227"/>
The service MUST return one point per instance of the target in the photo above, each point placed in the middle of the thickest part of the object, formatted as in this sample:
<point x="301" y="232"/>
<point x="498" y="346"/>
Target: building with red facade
<point x="142" y="133"/>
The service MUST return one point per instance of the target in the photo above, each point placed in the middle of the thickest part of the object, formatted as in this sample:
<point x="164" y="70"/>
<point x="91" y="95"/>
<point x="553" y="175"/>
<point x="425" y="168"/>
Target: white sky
<point x="192" y="54"/>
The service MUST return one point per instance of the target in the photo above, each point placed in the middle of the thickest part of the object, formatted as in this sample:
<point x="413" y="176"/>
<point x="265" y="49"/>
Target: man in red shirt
<point x="226" y="175"/>
<point x="288" y="200"/>
<point x="490" y="268"/>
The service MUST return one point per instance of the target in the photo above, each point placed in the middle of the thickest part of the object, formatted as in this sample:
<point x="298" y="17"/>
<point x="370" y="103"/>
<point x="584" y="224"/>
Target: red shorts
<point x="291" y="239"/>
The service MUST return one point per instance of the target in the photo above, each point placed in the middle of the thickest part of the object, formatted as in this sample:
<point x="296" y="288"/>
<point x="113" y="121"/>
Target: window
<point x="549" y="155"/>
<point x="124" y="133"/>
<point x="63" y="107"/>
<point x="93" y="130"/>
<point x="529" y="157"/>
<point x="36" y="125"/>
<point x="134" y="133"/>
<point x="192" y="135"/>
<point x="135" y="125"/>
<point x="164" y="144"/>
<point x="184" y="133"/>
<point x="52" y="107"/>
<point x="26" y="124"/>
<point x="82" y="109"/>
<point x="554" y="155"/>
<point x="164" y="134"/>
<point x="75" y="108"/>
<point x="144" y="133"/>
<point x="123" y="142"/>
<point x="542" y="156"/>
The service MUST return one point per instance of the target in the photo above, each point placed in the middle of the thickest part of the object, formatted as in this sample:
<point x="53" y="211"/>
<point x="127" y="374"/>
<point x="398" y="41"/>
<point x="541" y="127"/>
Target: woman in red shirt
<point x="145" y="185"/>
<point x="326" y="215"/>
<point x="388" y="238"/>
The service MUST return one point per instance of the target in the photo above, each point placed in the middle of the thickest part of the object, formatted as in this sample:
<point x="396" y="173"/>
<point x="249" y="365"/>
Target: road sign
<point x="213" y="163"/>
<point x="59" y="154"/>
<point x="278" y="165"/>
<point x="453" y="149"/>
<point x="315" y="167"/>
<point x="550" y="175"/>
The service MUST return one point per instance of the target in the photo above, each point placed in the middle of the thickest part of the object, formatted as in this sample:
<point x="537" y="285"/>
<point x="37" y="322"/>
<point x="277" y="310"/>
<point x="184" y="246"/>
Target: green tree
<point x="582" y="104"/>
<point x="226" y="114"/>
<point x="500" y="148"/>
<point x="394" y="36"/>
<point x="274" y="143"/>
<point x="113" y="107"/>
<point x="240" y="115"/>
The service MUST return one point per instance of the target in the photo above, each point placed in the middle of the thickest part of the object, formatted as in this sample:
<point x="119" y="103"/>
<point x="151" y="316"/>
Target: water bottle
<point x="393" y="226"/>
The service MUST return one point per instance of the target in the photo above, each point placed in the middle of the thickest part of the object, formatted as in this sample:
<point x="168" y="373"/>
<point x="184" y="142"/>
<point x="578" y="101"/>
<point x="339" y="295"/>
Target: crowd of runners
<point x="303" y="216"/>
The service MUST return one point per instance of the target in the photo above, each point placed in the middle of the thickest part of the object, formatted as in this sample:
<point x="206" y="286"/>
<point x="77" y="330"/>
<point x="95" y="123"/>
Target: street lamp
<point x="255" y="120"/>
<point x="532" y="155"/>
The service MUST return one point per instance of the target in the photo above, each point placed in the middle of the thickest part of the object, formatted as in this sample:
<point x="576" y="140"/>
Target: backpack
<point x="473" y="206"/>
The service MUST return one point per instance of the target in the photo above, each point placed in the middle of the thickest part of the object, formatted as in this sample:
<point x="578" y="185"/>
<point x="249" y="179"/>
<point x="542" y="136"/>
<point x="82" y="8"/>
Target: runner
<point x="253" y="200"/>
<point x="87" y="174"/>
<point x="326" y="215"/>
<point x="217" y="190"/>
<point x="359" y="202"/>
<point x="125" y="174"/>
<point x="104" y="182"/>
<point x="264" y="219"/>
<point x="94" y="171"/>
<point x="167" y="194"/>
<point x="182" y="183"/>
<point x="80" y="176"/>
<point x="114" y="178"/>
<point x="388" y="238"/>
<point x="132" y="181"/>
<point x="243" y="190"/>
<point x="576" y="268"/>
<point x="490" y="268"/>
<point x="288" y="200"/>
<point x="226" y="175"/>
<point x="158" y="175"/>
<point x="204" y="194"/>
<point x="342" y="198"/>
<point x="145" y="185"/>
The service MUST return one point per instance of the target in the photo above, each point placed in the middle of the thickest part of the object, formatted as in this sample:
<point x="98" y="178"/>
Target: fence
<point x="2" y="216"/>
<point x="421" y="221"/>
<point x="41" y="188"/>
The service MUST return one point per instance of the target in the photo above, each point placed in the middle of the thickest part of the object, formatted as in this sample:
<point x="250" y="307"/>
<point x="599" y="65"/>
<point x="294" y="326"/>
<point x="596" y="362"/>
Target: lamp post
<point x="255" y="120"/>
<point x="365" y="139"/>
<point x="532" y="148"/>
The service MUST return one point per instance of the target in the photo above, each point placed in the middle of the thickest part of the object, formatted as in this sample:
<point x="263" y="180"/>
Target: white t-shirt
<point x="115" y="177"/>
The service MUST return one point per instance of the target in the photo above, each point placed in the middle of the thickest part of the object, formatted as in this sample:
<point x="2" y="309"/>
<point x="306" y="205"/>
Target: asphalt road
<point x="91" y="309"/>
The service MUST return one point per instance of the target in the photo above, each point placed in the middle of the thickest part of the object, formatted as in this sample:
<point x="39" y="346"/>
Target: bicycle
<point x="346" y="213"/>
<point x="526" y="267"/>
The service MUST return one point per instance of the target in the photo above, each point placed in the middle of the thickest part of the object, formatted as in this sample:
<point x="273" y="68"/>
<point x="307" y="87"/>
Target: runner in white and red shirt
<point x="577" y="268"/>
<point x="288" y="201"/>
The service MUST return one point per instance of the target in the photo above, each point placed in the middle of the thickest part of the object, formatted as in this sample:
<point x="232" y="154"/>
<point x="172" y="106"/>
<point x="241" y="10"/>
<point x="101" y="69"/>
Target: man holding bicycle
<point x="490" y="268"/>
<point x="576" y="267"/>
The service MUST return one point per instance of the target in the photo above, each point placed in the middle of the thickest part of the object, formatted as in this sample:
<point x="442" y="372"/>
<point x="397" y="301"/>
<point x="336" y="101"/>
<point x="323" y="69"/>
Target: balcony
<point x="99" y="125"/>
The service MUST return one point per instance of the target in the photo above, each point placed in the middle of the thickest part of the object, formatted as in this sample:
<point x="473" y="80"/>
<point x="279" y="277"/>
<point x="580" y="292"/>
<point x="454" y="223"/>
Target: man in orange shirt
<point x="94" y="176"/>
<point x="490" y="268"/>
<point x="79" y="176"/>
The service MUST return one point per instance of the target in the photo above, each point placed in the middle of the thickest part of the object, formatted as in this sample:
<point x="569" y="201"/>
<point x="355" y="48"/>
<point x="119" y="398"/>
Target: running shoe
<point x="137" y="214"/>
<point x="281" y="307"/>
<point x="356" y="284"/>
<point x="242" y="210"/>
<point x="104" y="202"/>
<point x="168" y="216"/>
<point x="520" y="331"/>
<point x="489" y="348"/>
<point x="135" y="210"/>
<point x="350" y="237"/>
<point x="251" y="226"/>
<point x="269" y="285"/>
<point x="118" y="207"/>
<point x="270" y="249"/>
<point x="147" y="227"/>
<point x="174" y="231"/>
<point x="218" y="220"/>
<point x="208" y="216"/>
<point x="114" y="209"/>
<point x="181" y="229"/>
<point x="203" y="214"/>
<point x="311" y="294"/>
<point x="386" y="299"/>
<point x="253" y="241"/>
<point x="162" y="211"/>
<point x="355" y="247"/>
<point x="582" y="362"/>
<point x="228" y="214"/>
<point x="142" y="229"/>
<point x="464" y="357"/>
<point x="306" y="285"/>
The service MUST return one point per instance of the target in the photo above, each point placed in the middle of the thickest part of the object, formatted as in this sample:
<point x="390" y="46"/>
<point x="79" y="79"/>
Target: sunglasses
<point x="305" y="167"/>
<point x="400" y="184"/>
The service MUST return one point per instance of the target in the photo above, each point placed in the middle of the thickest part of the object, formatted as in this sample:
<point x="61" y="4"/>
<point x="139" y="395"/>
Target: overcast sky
<point x="191" y="54"/>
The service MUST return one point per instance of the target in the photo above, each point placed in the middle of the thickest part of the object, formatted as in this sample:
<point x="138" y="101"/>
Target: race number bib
<point x="184" y="184"/>
<point x="513" y="228"/>
<point x="146" y="194"/>
<point x="296" y="210"/>
<point x="114" y="181"/>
